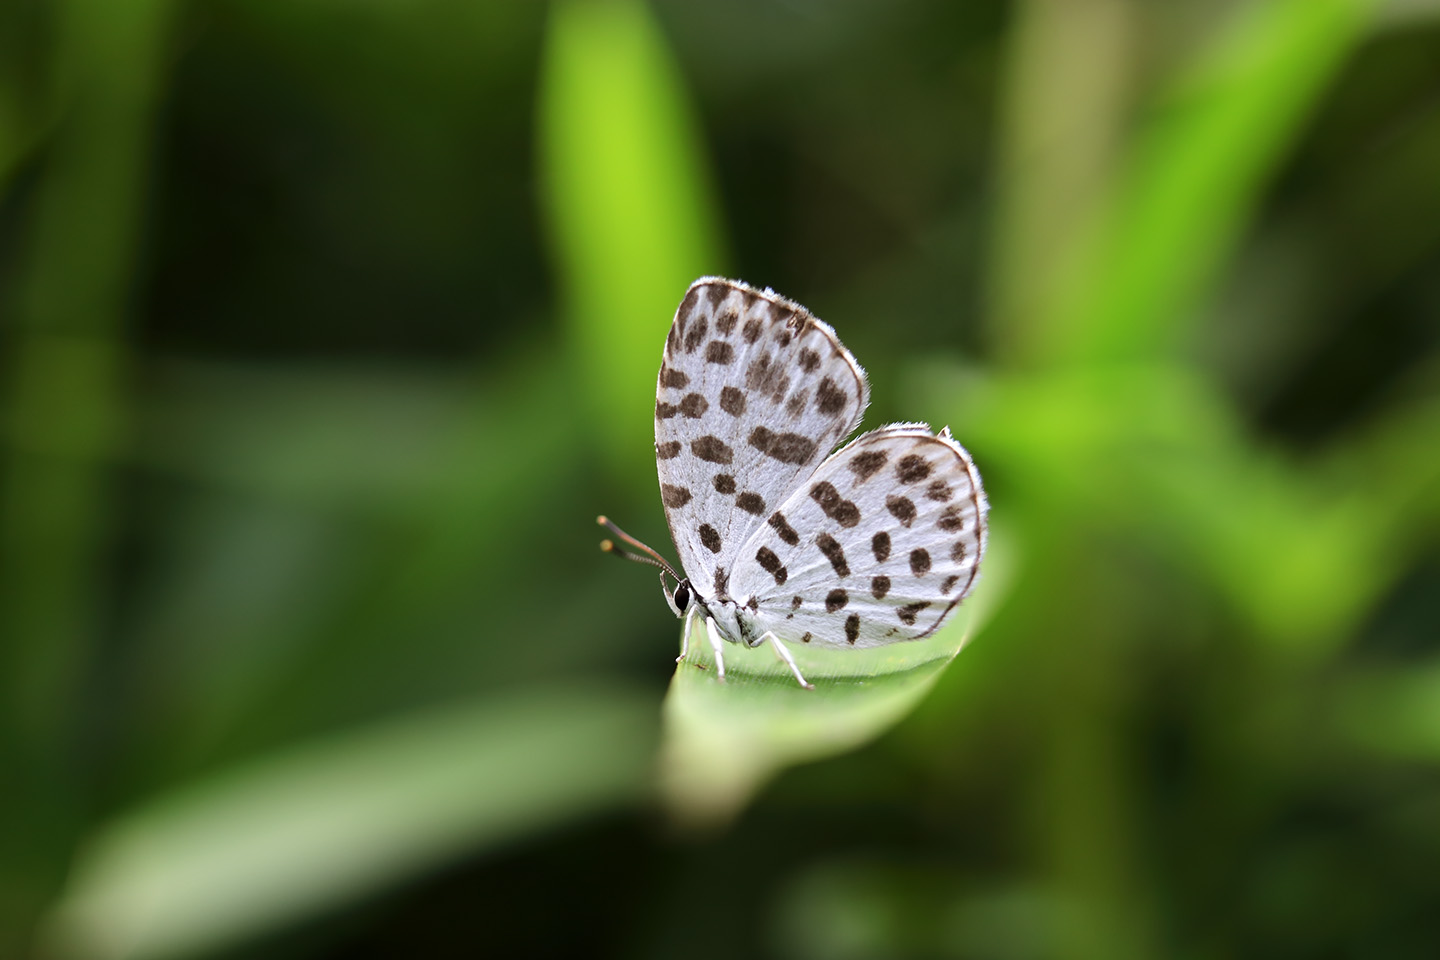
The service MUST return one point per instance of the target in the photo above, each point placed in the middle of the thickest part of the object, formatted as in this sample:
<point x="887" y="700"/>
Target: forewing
<point x="879" y="545"/>
<point x="753" y="393"/>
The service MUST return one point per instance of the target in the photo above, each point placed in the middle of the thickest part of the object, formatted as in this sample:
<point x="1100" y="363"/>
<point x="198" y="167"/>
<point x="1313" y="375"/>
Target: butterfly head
<point x="681" y="597"/>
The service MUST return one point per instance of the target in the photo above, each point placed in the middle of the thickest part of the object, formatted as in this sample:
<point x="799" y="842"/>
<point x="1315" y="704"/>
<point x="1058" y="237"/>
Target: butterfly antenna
<point x="647" y="555"/>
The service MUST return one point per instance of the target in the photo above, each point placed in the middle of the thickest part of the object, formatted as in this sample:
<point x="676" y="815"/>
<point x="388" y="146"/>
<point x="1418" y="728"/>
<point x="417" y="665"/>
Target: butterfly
<point x="876" y="543"/>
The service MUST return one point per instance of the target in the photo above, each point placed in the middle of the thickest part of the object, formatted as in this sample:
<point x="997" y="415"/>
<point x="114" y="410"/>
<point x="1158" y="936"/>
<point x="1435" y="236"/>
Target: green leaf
<point x="629" y="204"/>
<point x="725" y="740"/>
<point x="1168" y="460"/>
<point x="292" y="834"/>
<point x="1197" y="170"/>
<point x="1393" y="712"/>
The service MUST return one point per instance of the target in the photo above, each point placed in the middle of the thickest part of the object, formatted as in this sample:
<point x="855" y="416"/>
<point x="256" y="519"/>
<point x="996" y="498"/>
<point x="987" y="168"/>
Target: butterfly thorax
<point x="732" y="618"/>
<point x="735" y="621"/>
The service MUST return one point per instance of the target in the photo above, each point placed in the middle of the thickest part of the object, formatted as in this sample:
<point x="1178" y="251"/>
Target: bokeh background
<point x="329" y="326"/>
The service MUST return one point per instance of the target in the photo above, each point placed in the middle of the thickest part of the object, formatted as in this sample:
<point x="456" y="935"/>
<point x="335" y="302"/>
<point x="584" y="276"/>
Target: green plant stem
<point x="66" y="410"/>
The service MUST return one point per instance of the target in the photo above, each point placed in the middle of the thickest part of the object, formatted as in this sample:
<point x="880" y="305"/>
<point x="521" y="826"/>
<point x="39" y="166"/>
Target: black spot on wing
<point x="829" y="398"/>
<point x="668" y="450"/>
<point x="948" y="583"/>
<point x="879" y="586"/>
<point x="726" y="322"/>
<point x="880" y="544"/>
<point x="952" y="519"/>
<point x="724" y="483"/>
<point x="939" y="491"/>
<point x="783" y="529"/>
<point x="673" y="496"/>
<point x="760" y="375"/>
<point x="866" y="465"/>
<point x="809" y="360"/>
<point x="751" y="503"/>
<point x="957" y="552"/>
<point x="852" y="627"/>
<point x="712" y="449"/>
<point x="910" y="611"/>
<point x="718" y="351"/>
<point x="732" y="401"/>
<point x="808" y="636"/>
<point x="695" y="335"/>
<point x="785" y="447"/>
<point x="836" y="600"/>
<point x="687" y="307"/>
<point x="795" y="602"/>
<point x="796" y="404"/>
<point x="901" y="508"/>
<point x="694" y="406"/>
<point x="722" y="583"/>
<point x="836" y="507"/>
<point x="751" y="330"/>
<point x="912" y="468"/>
<point x="920" y="562"/>
<point x="710" y="537"/>
<point x="670" y="377"/>
<point x="767" y="378"/>
<point x="664" y="411"/>
<point x="834" y="553"/>
<point x="772" y="565"/>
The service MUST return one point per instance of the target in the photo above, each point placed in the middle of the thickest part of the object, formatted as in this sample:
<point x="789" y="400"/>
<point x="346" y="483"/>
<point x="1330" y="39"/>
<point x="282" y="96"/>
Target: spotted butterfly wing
<point x="879" y="545"/>
<point x="753" y="392"/>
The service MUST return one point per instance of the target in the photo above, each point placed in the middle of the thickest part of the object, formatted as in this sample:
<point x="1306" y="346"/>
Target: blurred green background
<point x="328" y="326"/>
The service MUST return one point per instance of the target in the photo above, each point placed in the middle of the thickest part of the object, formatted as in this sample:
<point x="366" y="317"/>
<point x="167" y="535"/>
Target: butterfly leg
<point x="783" y="652"/>
<point x="685" y="634"/>
<point x="715" y="641"/>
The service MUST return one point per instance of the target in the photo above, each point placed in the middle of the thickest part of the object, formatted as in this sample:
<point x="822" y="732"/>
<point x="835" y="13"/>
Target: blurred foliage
<point x="327" y="328"/>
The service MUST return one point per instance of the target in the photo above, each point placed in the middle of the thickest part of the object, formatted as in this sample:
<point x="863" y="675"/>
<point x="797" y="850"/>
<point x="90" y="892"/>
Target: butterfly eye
<point x="682" y="595"/>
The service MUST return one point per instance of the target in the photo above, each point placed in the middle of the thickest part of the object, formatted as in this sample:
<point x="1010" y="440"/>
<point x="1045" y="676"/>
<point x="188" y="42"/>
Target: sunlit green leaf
<point x="289" y="835"/>
<point x="629" y="203"/>
<point x="1208" y="147"/>
<point x="1165" y="458"/>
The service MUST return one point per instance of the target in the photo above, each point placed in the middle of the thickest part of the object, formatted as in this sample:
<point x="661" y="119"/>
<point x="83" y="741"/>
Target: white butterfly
<point x="874" y="544"/>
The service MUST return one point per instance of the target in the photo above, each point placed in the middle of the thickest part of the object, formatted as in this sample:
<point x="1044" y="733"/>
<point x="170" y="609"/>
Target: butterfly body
<point x="735" y="623"/>
<point x="780" y="539"/>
